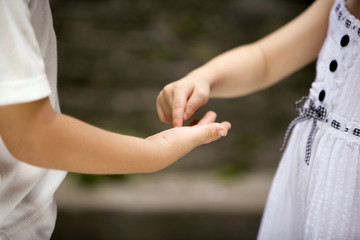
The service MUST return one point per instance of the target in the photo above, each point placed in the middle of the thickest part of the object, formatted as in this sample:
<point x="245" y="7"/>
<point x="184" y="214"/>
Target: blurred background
<point x="114" y="58"/>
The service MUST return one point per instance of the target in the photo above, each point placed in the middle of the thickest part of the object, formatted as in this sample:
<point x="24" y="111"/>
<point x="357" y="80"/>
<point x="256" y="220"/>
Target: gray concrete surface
<point x="163" y="206"/>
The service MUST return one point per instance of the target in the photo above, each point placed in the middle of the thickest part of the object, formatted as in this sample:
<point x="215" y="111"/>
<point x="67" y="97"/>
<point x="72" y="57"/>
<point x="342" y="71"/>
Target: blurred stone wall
<point x="116" y="55"/>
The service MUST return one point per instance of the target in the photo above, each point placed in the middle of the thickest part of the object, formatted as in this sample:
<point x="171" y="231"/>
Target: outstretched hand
<point x="179" y="100"/>
<point x="181" y="140"/>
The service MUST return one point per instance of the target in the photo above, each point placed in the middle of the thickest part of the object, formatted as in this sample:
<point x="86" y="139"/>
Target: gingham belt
<point x="306" y="113"/>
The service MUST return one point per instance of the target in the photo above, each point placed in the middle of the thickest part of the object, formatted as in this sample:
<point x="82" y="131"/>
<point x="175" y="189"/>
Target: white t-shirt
<point x="28" y="69"/>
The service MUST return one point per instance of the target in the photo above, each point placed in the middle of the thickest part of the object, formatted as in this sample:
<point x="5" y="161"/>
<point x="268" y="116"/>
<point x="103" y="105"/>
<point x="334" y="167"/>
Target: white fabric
<point x="322" y="200"/>
<point x="28" y="68"/>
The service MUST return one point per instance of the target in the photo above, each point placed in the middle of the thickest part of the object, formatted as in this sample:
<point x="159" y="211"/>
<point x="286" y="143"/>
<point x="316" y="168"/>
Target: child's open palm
<point x="178" y="141"/>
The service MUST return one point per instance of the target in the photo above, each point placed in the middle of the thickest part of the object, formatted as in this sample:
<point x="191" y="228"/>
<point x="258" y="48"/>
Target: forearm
<point x="237" y="72"/>
<point x="68" y="144"/>
<point x="252" y="67"/>
<point x="36" y="134"/>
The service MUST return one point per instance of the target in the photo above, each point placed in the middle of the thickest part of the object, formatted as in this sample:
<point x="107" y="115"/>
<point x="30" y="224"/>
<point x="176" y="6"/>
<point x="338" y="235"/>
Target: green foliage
<point x="232" y="170"/>
<point x="93" y="179"/>
<point x="246" y="147"/>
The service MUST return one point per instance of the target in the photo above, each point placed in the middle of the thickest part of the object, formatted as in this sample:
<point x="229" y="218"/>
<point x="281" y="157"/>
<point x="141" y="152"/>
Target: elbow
<point x="22" y="127"/>
<point x="24" y="138"/>
<point x="30" y="149"/>
<point x="263" y="64"/>
<point x="20" y="148"/>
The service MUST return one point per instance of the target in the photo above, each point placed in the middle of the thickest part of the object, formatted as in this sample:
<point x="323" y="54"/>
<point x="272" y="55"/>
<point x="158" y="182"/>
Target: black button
<point x="344" y="40"/>
<point x="333" y="65"/>
<point x="322" y="95"/>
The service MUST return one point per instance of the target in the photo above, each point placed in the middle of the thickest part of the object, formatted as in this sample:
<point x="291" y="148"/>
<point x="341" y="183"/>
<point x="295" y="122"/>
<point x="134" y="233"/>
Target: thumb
<point x="211" y="132"/>
<point x="198" y="99"/>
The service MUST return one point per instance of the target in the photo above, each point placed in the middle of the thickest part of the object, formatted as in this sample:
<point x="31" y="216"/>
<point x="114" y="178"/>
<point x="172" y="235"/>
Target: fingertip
<point x="226" y="124"/>
<point x="222" y="132"/>
<point x="224" y="128"/>
<point x="177" y="123"/>
<point x="177" y="117"/>
<point x="212" y="114"/>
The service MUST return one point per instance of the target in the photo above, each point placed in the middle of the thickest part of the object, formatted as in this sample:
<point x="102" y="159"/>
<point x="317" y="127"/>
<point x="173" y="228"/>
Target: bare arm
<point x="34" y="133"/>
<point x="248" y="68"/>
<point x="256" y="66"/>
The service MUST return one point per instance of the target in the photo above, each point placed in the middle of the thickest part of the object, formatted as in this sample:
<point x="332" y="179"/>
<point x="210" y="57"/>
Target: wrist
<point x="161" y="151"/>
<point x="205" y="74"/>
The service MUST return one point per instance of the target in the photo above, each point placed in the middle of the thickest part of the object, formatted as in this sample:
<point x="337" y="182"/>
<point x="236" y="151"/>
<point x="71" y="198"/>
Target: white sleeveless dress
<point x="321" y="199"/>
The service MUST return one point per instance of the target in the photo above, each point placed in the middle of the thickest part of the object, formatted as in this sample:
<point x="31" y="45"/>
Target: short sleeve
<point x="22" y="71"/>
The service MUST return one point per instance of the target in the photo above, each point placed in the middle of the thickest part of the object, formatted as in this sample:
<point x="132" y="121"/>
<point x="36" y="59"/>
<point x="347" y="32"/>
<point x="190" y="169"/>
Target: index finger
<point x="178" y="107"/>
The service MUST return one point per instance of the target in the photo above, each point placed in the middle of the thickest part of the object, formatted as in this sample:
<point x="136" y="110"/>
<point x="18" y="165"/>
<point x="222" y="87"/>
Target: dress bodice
<point x="337" y="83"/>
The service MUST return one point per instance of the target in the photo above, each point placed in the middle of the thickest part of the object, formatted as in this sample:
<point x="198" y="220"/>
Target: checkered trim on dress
<point x="339" y="9"/>
<point x="312" y="112"/>
<point x="356" y="132"/>
<point x="338" y="125"/>
<point x="335" y="124"/>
